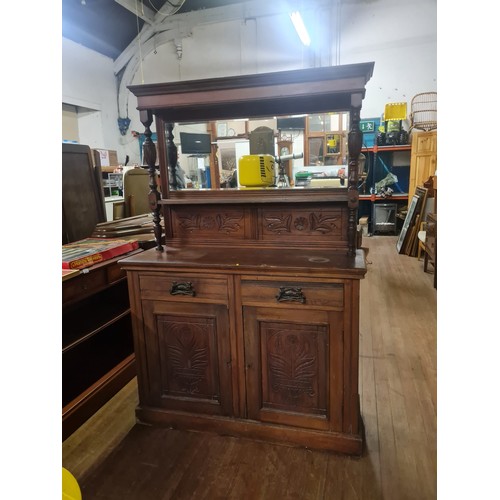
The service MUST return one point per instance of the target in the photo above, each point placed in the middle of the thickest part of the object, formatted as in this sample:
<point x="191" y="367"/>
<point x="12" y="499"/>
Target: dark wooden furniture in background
<point x="82" y="193"/>
<point x="97" y="347"/>
<point x="246" y="323"/>
<point x="431" y="245"/>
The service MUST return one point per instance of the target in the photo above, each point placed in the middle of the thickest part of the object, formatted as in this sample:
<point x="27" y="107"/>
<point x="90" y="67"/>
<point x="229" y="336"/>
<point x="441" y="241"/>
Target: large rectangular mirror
<point x="299" y="151"/>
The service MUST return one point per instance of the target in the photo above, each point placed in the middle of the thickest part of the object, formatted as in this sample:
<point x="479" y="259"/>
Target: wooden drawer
<point x="183" y="286"/>
<point x="292" y="293"/>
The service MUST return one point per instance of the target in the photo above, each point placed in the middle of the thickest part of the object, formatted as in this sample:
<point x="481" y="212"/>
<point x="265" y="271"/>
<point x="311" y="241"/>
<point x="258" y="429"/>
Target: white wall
<point x="88" y="81"/>
<point x="70" y="123"/>
<point x="400" y="37"/>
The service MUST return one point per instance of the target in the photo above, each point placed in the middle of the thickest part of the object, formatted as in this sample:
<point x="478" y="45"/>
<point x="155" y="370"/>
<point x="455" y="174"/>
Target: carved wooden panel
<point x="294" y="367"/>
<point x="289" y="356"/>
<point x="188" y="356"/>
<point x="313" y="224"/>
<point x="215" y="223"/>
<point x="278" y="224"/>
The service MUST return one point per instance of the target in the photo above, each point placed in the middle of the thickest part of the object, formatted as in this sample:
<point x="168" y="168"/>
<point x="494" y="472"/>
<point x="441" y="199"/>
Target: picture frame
<point x="411" y="246"/>
<point x="410" y="216"/>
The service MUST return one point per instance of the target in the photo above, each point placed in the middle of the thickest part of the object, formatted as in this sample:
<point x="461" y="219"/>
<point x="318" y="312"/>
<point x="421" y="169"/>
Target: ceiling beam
<point x="147" y="31"/>
<point x="186" y="21"/>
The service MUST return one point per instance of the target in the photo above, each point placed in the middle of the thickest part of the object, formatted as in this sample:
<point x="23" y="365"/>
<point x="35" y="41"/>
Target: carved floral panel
<point x="204" y="222"/>
<point x="298" y="224"/>
<point x="188" y="357"/>
<point x="294" y="358"/>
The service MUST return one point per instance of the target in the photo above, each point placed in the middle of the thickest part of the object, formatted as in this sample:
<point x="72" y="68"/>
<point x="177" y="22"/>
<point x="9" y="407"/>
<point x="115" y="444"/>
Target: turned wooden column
<point x="150" y="160"/>
<point x="171" y="157"/>
<point x="354" y="142"/>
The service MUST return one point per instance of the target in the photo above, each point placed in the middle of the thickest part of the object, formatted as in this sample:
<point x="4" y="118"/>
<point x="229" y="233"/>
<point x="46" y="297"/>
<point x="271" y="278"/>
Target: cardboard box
<point x="105" y="158"/>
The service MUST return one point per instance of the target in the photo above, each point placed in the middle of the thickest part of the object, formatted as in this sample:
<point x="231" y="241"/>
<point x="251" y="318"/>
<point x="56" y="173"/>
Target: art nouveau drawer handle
<point x="182" y="288"/>
<point x="290" y="294"/>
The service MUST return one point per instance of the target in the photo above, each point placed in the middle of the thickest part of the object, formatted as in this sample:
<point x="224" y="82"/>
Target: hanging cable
<point x="139" y="41"/>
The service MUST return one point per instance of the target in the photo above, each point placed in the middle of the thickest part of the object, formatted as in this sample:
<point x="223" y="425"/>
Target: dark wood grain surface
<point x="306" y="261"/>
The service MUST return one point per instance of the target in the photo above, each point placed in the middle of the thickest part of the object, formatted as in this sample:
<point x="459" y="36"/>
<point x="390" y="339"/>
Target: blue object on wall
<point x="123" y="124"/>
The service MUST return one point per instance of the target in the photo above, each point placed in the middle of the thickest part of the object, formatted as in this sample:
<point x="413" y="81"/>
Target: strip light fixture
<point x="300" y="27"/>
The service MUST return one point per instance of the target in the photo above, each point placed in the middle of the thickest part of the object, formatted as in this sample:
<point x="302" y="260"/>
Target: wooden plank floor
<point x="114" y="458"/>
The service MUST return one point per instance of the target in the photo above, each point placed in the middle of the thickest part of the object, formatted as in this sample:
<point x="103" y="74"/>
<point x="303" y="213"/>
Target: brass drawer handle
<point x="182" y="288"/>
<point x="290" y="294"/>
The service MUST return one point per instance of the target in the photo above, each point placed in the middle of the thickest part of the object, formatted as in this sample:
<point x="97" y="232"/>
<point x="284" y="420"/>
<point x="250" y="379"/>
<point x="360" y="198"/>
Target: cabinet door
<point x="425" y="143"/>
<point x="423" y="159"/>
<point x="422" y="167"/>
<point x="294" y="368"/>
<point x="188" y="357"/>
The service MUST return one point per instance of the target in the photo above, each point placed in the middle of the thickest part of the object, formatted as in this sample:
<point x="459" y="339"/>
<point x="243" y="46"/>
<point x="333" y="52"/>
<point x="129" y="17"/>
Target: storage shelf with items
<point x="111" y="179"/>
<point x="112" y="184"/>
<point x="386" y="180"/>
<point x="385" y="183"/>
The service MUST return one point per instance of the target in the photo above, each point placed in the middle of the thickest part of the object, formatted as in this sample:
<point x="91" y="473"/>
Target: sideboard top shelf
<point x="256" y="196"/>
<point x="310" y="90"/>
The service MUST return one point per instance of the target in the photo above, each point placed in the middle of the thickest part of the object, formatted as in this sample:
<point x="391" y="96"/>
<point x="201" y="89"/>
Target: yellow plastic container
<point x="256" y="170"/>
<point x="70" y="488"/>
<point x="395" y="111"/>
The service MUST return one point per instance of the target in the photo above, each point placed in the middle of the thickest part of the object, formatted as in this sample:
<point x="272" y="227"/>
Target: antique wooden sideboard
<point x="245" y="315"/>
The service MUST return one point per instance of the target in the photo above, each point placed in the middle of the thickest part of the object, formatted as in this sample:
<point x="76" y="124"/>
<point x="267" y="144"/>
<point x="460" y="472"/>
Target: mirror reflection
<point x="278" y="152"/>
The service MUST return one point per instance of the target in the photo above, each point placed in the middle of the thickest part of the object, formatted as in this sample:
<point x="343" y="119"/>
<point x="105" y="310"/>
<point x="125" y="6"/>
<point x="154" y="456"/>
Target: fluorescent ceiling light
<point x="300" y="27"/>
